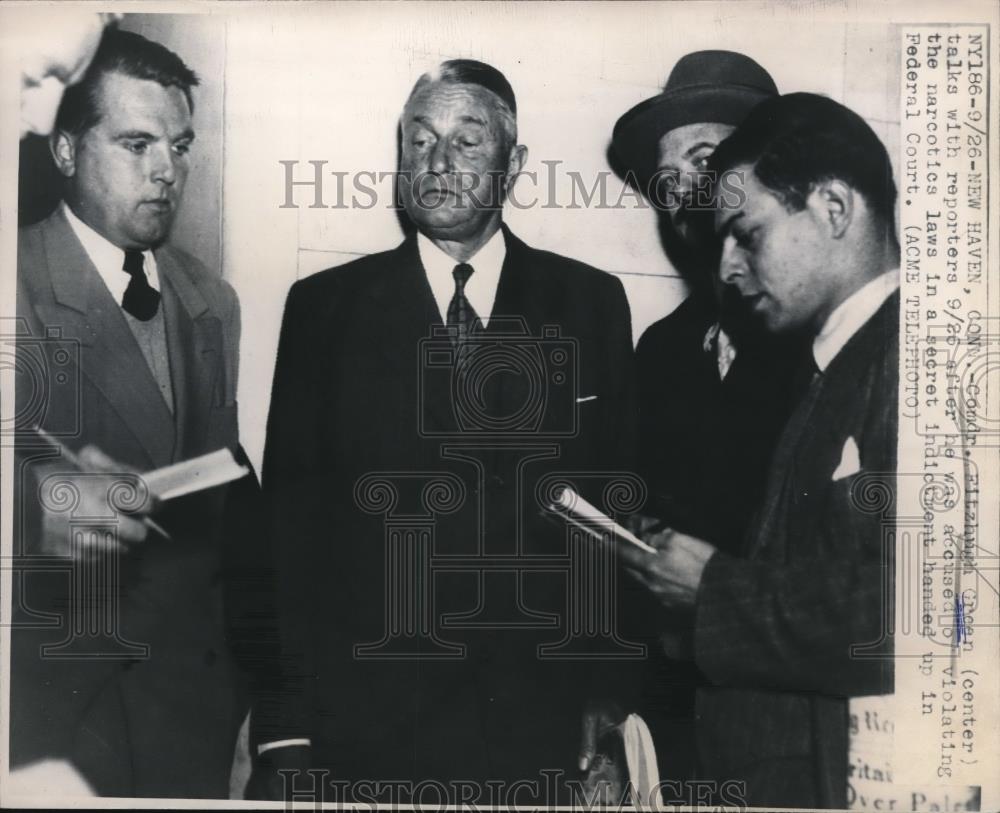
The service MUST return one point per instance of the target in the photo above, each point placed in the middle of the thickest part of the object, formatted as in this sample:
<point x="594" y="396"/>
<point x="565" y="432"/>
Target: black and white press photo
<point x="490" y="405"/>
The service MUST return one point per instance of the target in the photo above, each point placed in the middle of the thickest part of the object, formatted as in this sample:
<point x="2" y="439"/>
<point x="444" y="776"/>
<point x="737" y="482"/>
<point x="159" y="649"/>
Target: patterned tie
<point x="141" y="299"/>
<point x="460" y="311"/>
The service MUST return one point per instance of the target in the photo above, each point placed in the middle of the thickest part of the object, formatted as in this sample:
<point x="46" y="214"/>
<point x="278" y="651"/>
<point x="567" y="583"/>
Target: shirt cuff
<point x="267" y="746"/>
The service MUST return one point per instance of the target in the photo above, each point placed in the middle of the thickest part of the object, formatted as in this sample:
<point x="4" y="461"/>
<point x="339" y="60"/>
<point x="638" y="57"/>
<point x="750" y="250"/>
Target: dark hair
<point x="473" y="72"/>
<point x="796" y="141"/>
<point x="130" y="54"/>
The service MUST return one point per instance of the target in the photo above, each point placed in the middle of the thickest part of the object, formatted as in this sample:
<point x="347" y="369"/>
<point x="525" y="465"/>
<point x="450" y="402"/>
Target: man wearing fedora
<point x="713" y="391"/>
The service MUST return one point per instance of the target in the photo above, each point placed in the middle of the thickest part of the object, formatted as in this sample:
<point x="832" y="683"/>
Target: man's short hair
<point x="799" y="140"/>
<point x="129" y="54"/>
<point x="473" y="72"/>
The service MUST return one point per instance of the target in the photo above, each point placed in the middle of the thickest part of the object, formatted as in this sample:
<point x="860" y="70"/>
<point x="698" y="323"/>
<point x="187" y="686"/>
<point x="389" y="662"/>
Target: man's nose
<point x="732" y="264"/>
<point x="164" y="165"/>
<point x="441" y="157"/>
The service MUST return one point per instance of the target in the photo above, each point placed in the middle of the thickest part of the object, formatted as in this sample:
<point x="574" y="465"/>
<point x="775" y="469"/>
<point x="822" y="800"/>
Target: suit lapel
<point x="816" y="425"/>
<point x="194" y="342"/>
<point x="405" y="313"/>
<point x="521" y="303"/>
<point x="110" y="356"/>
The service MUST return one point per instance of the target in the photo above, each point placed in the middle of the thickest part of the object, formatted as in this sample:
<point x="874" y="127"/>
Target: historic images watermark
<point x="549" y="788"/>
<point x="315" y="184"/>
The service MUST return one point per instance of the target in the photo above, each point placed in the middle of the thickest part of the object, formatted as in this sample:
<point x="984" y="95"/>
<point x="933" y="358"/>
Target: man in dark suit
<point x="789" y="633"/>
<point x="127" y="356"/>
<point x="425" y="402"/>
<point x="713" y="389"/>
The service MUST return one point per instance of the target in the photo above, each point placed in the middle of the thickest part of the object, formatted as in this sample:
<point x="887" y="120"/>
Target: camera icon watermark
<point x="43" y="370"/>
<point x="502" y="384"/>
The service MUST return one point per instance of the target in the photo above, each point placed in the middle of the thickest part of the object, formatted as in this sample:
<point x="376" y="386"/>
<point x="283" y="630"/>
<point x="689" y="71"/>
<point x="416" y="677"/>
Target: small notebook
<point x="196" y="474"/>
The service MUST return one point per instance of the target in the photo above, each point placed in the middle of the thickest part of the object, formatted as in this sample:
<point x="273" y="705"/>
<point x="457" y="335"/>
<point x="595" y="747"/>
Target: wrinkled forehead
<point x="448" y="103"/>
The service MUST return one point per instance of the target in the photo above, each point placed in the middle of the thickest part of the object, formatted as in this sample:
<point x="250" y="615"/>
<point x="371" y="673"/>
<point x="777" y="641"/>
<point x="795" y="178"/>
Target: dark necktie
<point x="141" y="299"/>
<point x="460" y="311"/>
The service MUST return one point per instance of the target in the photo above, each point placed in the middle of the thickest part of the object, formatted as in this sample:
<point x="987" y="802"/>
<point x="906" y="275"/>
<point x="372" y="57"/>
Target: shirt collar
<point x="850" y="315"/>
<point x="108" y="258"/>
<point x="480" y="290"/>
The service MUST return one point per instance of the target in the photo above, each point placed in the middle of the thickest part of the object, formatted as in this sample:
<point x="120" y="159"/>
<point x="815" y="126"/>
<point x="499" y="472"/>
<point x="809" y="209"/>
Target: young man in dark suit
<point x="788" y="633"/>
<point x="120" y="662"/>
<point x="467" y="363"/>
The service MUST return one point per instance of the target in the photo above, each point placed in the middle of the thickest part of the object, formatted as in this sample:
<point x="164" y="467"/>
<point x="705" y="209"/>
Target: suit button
<point x="210" y="657"/>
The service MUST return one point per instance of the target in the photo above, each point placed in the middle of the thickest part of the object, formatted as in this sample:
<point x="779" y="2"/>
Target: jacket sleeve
<point x="798" y="627"/>
<point x="294" y="520"/>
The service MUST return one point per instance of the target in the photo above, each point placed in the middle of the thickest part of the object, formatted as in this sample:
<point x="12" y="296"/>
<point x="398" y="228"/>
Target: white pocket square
<point x="584" y="398"/>
<point x="850" y="462"/>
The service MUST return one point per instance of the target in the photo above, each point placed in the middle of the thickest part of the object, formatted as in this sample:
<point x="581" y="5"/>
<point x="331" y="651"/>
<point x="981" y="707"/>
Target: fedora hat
<point x="719" y="86"/>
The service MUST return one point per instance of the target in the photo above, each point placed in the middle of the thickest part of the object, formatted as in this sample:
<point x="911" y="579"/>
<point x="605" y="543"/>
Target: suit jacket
<point x="360" y="393"/>
<point x="705" y="445"/>
<point x="788" y="635"/>
<point x="158" y="715"/>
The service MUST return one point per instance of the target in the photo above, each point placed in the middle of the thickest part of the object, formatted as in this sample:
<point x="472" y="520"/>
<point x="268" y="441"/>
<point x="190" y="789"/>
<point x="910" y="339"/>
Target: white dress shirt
<point x="480" y="290"/>
<point x="850" y="315"/>
<point x="108" y="259"/>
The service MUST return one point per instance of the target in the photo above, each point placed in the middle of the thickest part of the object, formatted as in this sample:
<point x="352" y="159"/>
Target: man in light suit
<point x="393" y="366"/>
<point x="788" y="634"/>
<point x="120" y="661"/>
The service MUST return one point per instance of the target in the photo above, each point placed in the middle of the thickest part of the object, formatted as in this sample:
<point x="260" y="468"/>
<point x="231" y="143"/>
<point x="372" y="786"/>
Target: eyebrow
<point x="136" y="134"/>
<point x="693" y="149"/>
<point x="187" y="135"/>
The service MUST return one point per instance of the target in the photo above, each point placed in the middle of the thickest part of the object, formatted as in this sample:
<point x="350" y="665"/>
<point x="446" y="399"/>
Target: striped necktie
<point x="460" y="311"/>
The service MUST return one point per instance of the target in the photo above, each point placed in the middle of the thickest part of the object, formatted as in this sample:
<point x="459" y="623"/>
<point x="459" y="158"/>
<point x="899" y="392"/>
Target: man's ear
<point x="62" y="145"/>
<point x="833" y="202"/>
<point x="515" y="162"/>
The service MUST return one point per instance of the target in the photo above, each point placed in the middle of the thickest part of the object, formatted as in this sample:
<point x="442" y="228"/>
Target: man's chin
<point x="445" y="225"/>
<point x="150" y="237"/>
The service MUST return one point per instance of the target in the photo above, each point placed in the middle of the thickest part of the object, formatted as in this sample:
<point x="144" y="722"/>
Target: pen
<point x="75" y="461"/>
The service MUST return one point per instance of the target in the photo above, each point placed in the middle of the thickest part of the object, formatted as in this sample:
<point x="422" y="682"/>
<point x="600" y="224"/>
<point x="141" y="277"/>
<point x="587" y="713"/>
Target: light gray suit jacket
<point x="157" y="713"/>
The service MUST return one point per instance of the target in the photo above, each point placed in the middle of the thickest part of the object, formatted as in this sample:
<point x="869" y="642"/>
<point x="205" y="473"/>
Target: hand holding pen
<point x="93" y="500"/>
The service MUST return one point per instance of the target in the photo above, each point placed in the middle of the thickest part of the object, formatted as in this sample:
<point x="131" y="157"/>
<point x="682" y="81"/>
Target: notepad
<point x="198" y="473"/>
<point x="584" y="516"/>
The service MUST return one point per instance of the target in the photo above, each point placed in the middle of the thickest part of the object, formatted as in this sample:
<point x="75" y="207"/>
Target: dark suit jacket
<point x="356" y="393"/>
<point x="160" y="719"/>
<point x="705" y="445"/>
<point x="775" y="633"/>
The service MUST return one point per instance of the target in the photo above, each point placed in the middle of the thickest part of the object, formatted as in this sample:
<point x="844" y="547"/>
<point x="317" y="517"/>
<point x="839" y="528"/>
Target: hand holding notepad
<point x="577" y="511"/>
